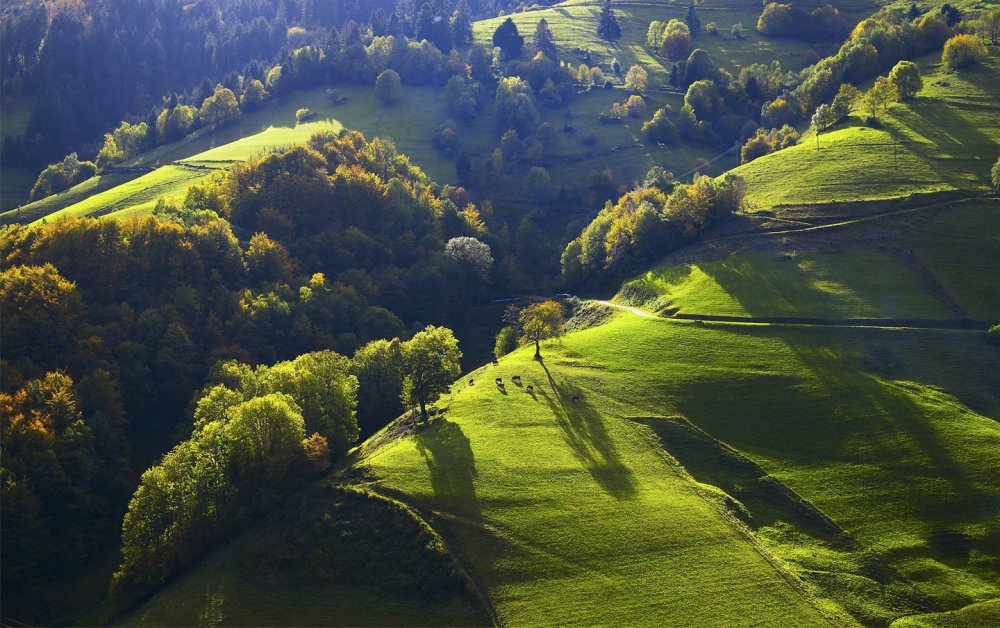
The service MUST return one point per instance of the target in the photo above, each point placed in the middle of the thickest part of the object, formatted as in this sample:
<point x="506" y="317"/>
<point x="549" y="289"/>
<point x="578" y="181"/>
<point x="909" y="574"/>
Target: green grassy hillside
<point x="574" y="26"/>
<point x="945" y="139"/>
<point x="549" y="497"/>
<point x="933" y="263"/>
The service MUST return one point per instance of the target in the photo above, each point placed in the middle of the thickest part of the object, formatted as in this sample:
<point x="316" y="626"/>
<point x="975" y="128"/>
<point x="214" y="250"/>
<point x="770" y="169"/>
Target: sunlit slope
<point x="574" y="27"/>
<point x="933" y="263"/>
<point x="570" y="515"/>
<point x="946" y="139"/>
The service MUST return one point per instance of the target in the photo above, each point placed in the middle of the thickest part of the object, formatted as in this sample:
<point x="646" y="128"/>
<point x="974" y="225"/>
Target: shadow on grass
<point x="585" y="432"/>
<point x="452" y="466"/>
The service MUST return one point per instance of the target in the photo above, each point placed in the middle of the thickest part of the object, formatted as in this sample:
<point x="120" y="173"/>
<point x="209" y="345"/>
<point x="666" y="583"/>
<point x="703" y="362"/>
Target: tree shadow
<point x="452" y="466"/>
<point x="584" y="430"/>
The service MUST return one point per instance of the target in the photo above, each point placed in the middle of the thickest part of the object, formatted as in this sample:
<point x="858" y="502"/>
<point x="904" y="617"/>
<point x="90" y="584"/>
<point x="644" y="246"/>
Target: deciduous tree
<point x="540" y="321"/>
<point x="963" y="50"/>
<point x="431" y="362"/>
<point x="636" y="79"/>
<point x="906" y="77"/>
<point x="822" y="119"/>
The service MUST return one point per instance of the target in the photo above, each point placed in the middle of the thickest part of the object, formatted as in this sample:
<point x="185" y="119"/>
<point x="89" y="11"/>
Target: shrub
<point x="963" y="50"/>
<point x="616" y="113"/>
<point x="506" y="341"/>
<point x="660" y="128"/>
<point x="635" y="106"/>
<point x="765" y="142"/>
<point x="61" y="176"/>
<point x="388" y="89"/>
<point x="995" y="176"/>
<point x="446" y="137"/>
<point x="304" y="114"/>
<point x="712" y="28"/>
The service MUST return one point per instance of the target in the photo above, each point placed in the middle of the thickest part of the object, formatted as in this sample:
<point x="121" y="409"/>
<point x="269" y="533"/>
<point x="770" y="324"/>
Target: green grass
<point x="961" y="244"/>
<point x="574" y="25"/>
<point x="411" y="124"/>
<point x="937" y="262"/>
<point x="568" y="514"/>
<point x="857" y="283"/>
<point x="946" y="139"/>
<point x="972" y="616"/>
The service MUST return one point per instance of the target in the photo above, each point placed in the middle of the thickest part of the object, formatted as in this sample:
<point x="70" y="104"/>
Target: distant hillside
<point x="945" y="139"/>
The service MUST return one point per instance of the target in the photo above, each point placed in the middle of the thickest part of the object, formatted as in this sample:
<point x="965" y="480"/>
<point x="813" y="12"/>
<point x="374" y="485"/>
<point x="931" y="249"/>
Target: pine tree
<point x="508" y="39"/>
<point x="913" y="13"/>
<point x="694" y="24"/>
<point x="543" y="41"/>
<point x="461" y="25"/>
<point x="379" y="23"/>
<point x="607" y="25"/>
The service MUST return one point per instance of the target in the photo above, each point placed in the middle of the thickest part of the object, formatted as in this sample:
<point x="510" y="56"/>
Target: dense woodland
<point x="110" y="327"/>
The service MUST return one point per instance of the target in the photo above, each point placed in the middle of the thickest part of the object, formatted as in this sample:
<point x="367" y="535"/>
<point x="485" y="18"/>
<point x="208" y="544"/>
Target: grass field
<point x="946" y="139"/>
<point x="936" y="263"/>
<point x="568" y="514"/>
<point x="574" y="26"/>
<point x="179" y="165"/>
<point x="560" y="504"/>
<point x="852" y="284"/>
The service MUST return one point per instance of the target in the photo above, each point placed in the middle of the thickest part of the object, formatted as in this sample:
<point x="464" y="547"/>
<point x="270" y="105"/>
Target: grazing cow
<point x="575" y="398"/>
<point x="495" y="363"/>
<point x="516" y="379"/>
<point x="499" y="381"/>
<point x="471" y="381"/>
<point x="530" y="388"/>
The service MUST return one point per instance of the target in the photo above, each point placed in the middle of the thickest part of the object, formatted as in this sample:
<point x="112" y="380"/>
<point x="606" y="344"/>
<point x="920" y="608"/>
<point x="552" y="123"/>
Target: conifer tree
<point x="543" y="41"/>
<point x="461" y="25"/>
<point x="694" y="24"/>
<point x="607" y="26"/>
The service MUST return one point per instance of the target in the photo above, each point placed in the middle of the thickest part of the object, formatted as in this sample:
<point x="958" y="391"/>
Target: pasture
<point x="935" y="262"/>
<point x="945" y="139"/>
<point x="549" y="497"/>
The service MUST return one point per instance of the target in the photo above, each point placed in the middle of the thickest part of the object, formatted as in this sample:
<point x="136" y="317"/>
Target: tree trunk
<point x="538" y="350"/>
<point x="423" y="410"/>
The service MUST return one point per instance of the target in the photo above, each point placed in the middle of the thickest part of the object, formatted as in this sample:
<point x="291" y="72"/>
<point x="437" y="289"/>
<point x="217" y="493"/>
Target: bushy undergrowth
<point x="350" y="535"/>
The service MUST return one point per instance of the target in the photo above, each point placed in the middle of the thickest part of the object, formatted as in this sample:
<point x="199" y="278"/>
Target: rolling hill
<point x="945" y="139"/>
<point x="167" y="171"/>
<point x="735" y="471"/>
